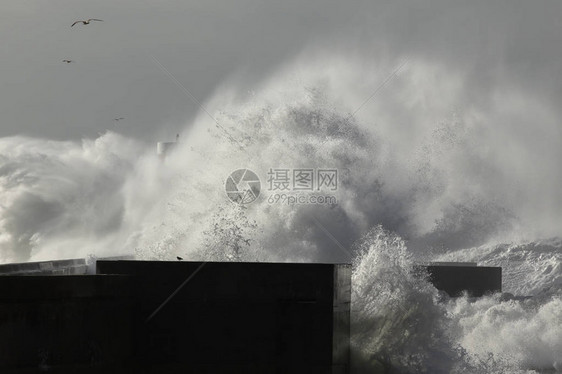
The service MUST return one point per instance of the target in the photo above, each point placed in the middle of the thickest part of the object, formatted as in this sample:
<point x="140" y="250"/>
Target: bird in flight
<point x="118" y="119"/>
<point x="67" y="61"/>
<point x="179" y="258"/>
<point x="86" y="22"/>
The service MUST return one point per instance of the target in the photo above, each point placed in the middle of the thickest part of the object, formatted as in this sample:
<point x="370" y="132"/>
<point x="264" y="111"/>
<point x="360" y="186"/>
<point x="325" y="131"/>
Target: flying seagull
<point x="67" y="61"/>
<point x="118" y="119"/>
<point x="86" y="22"/>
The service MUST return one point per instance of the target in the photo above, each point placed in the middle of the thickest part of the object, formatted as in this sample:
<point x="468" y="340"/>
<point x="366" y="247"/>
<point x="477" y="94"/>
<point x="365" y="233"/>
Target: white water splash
<point x="419" y="160"/>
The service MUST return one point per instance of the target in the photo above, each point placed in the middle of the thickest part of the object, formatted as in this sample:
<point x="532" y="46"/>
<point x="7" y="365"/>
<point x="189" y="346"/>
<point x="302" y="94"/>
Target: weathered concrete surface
<point x="133" y="317"/>
<point x="456" y="280"/>
<point x="60" y="321"/>
<point x="252" y="316"/>
<point x="58" y="267"/>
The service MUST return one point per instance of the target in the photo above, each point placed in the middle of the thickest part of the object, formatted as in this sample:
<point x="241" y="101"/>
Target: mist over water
<point x="424" y="173"/>
<point x="61" y="199"/>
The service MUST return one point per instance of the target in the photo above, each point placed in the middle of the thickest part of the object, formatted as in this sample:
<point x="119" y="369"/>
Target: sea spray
<point x="414" y="159"/>
<point x="402" y="324"/>
<point x="417" y="160"/>
<point x="62" y="199"/>
<point x="396" y="323"/>
<point x="523" y="334"/>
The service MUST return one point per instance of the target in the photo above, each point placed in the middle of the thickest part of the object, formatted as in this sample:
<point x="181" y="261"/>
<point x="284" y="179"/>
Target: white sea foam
<point x="400" y="322"/>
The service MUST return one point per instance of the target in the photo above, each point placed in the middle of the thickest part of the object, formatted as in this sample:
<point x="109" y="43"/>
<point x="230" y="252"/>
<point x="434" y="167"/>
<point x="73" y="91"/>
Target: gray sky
<point x="507" y="43"/>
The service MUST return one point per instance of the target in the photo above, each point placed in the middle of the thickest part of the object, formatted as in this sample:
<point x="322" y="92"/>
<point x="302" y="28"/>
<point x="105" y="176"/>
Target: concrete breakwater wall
<point x="168" y="317"/>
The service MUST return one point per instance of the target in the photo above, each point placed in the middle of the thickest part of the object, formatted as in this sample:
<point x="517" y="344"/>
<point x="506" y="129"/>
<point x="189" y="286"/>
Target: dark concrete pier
<point x="190" y="317"/>
<point x="178" y="317"/>
<point x="461" y="278"/>
<point x="60" y="267"/>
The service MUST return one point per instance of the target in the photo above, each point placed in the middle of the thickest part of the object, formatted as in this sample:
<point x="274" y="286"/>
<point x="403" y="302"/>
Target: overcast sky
<point x="201" y="44"/>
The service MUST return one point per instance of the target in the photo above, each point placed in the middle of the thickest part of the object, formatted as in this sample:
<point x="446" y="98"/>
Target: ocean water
<point x="402" y="323"/>
<point x="423" y="174"/>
